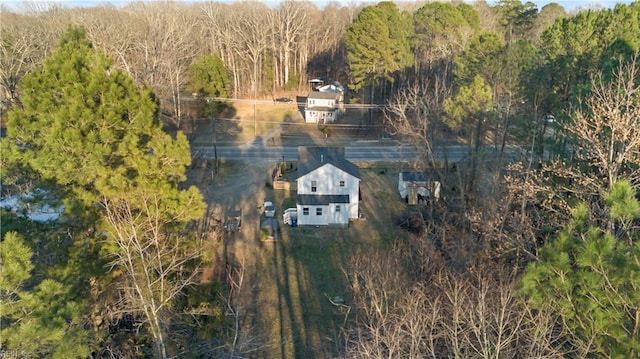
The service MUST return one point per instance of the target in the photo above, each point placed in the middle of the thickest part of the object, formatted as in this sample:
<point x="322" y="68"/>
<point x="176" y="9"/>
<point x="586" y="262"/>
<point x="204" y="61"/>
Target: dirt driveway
<point x="236" y="185"/>
<point x="284" y="300"/>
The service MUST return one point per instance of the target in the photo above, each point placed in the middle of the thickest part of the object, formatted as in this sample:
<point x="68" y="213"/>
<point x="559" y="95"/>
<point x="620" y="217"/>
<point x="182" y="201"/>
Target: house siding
<point x="330" y="216"/>
<point x="312" y="219"/>
<point x="338" y="217"/>
<point x="322" y="107"/>
<point x="319" y="116"/>
<point x="328" y="178"/>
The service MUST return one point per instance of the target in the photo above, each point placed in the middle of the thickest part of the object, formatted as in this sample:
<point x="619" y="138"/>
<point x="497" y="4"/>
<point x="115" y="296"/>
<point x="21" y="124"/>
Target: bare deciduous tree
<point x="244" y="337"/>
<point x="376" y="293"/>
<point x="253" y="32"/>
<point x="413" y="114"/>
<point x="219" y="20"/>
<point x="164" y="48"/>
<point x="288" y="20"/>
<point x="441" y="313"/>
<point x="606" y="125"/>
<point x="25" y="42"/>
<point x="157" y="264"/>
<point x="113" y="31"/>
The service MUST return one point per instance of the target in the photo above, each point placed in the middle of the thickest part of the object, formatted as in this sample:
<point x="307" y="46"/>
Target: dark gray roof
<point x="312" y="158"/>
<point x="412" y="176"/>
<point x="320" y="108"/>
<point x="321" y="199"/>
<point x="323" y="95"/>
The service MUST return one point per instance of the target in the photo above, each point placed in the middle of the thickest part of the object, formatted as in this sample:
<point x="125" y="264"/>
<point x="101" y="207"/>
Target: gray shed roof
<point x="321" y="199"/>
<point x="312" y="158"/>
<point x="412" y="176"/>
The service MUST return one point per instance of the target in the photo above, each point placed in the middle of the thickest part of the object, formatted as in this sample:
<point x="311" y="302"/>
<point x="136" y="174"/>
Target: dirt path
<point x="237" y="185"/>
<point x="279" y="299"/>
<point x="283" y="303"/>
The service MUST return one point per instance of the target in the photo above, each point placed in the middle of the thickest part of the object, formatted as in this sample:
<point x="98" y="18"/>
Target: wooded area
<point x="533" y="251"/>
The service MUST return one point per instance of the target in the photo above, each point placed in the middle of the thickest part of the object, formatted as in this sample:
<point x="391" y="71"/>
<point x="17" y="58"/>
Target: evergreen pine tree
<point x="41" y="322"/>
<point x="96" y="135"/>
<point x="589" y="278"/>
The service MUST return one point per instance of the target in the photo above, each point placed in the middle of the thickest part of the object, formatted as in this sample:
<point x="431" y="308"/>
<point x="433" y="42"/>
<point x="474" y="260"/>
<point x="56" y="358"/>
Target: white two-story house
<point x="328" y="187"/>
<point x="323" y="106"/>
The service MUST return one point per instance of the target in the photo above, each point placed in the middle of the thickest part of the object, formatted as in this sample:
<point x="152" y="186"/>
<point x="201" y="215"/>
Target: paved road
<point x="352" y="153"/>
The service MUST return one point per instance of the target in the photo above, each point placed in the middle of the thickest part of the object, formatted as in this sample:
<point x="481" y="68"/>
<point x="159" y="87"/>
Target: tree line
<point x="523" y="256"/>
<point x="264" y="49"/>
<point x="536" y="256"/>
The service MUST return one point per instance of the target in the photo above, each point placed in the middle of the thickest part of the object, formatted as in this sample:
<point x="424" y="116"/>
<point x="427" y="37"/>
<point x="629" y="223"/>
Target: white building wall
<point x="341" y="216"/>
<point x="330" y="116"/>
<point x="313" y="219"/>
<point x="328" y="179"/>
<point x="329" y="215"/>
<point x="311" y="116"/>
<point x="317" y="116"/>
<point x="320" y="102"/>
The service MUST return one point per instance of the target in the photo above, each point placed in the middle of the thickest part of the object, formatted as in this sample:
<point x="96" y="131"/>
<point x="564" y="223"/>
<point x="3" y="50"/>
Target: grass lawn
<point x="298" y="274"/>
<point x="285" y="299"/>
<point x="241" y="123"/>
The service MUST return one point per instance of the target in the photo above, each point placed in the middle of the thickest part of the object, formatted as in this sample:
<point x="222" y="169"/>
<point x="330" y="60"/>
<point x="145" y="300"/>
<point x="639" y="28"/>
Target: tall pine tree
<point x="90" y="130"/>
<point x="378" y="45"/>
<point x="589" y="279"/>
<point x="38" y="321"/>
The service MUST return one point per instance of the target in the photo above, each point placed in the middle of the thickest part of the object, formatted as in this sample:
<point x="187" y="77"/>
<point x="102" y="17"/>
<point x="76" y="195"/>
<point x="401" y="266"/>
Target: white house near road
<point x="325" y="105"/>
<point x="328" y="187"/>
<point x="322" y="107"/>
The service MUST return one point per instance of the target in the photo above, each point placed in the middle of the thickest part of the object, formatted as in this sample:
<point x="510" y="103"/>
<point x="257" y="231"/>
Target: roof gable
<point x="312" y="158"/>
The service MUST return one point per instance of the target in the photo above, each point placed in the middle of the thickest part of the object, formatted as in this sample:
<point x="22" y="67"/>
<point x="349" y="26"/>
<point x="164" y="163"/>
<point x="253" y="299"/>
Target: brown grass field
<point x="276" y="125"/>
<point x="284" y="300"/>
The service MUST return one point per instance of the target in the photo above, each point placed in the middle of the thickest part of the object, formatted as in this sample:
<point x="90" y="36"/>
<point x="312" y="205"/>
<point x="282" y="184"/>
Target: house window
<point x="305" y="211"/>
<point x="341" y="183"/>
<point x="314" y="186"/>
<point x="337" y="209"/>
<point x="318" y="211"/>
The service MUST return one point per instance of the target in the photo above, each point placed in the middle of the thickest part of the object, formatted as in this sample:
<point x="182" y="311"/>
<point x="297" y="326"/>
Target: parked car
<point x="283" y="100"/>
<point x="269" y="209"/>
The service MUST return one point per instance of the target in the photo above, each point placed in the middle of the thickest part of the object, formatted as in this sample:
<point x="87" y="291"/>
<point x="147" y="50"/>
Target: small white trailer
<point x="290" y="217"/>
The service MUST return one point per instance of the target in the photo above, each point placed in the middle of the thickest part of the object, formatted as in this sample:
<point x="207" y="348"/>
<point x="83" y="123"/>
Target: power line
<point x="271" y="102"/>
<point x="289" y="123"/>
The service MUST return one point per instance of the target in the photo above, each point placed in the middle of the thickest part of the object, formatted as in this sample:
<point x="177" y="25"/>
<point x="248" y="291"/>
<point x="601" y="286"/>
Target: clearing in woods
<point x="285" y="300"/>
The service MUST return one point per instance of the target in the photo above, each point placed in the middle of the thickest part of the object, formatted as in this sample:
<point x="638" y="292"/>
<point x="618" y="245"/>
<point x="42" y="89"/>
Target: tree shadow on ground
<point x="200" y="126"/>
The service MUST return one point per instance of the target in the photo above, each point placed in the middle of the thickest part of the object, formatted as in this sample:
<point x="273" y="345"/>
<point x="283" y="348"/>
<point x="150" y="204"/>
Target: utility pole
<point x="255" y="97"/>
<point x="213" y="129"/>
